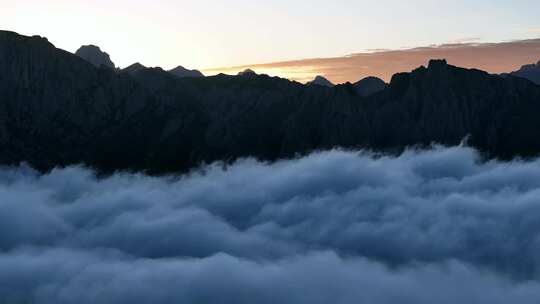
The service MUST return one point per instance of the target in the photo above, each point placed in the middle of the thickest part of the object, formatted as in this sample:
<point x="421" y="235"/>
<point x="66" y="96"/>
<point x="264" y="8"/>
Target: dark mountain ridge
<point x="57" y="109"/>
<point x="529" y="71"/>
<point x="182" y="72"/>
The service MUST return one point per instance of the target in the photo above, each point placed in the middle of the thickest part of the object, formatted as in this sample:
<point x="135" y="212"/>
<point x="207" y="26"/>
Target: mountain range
<point x="58" y="109"/>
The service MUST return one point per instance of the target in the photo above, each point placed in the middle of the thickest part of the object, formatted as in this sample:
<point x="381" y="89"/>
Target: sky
<point x="497" y="58"/>
<point x="215" y="35"/>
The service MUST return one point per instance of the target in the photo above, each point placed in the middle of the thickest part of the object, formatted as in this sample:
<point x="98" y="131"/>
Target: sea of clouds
<point x="431" y="226"/>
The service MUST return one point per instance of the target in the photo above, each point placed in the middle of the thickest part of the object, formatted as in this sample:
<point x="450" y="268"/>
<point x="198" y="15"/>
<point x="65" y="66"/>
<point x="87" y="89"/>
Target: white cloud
<point x="427" y="226"/>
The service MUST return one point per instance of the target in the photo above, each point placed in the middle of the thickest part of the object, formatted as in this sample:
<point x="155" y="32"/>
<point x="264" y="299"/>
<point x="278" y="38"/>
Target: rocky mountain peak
<point x="95" y="56"/>
<point x="321" y="81"/>
<point x="134" y="68"/>
<point x="435" y="64"/>
<point x="369" y="85"/>
<point x="530" y="72"/>
<point x="182" y="72"/>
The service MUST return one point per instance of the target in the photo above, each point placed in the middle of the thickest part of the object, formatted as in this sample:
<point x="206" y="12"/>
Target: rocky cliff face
<point x="58" y="109"/>
<point x="95" y="56"/>
<point x="444" y="103"/>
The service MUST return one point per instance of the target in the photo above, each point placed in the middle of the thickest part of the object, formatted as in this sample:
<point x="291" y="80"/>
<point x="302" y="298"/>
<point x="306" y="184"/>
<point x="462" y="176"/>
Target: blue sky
<point x="211" y="33"/>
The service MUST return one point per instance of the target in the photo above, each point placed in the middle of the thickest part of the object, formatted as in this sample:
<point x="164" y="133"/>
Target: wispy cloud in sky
<point x="492" y="57"/>
<point x="213" y="33"/>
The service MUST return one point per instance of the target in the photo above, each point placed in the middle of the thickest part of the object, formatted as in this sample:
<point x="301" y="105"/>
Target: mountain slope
<point x="529" y="71"/>
<point x="444" y="103"/>
<point x="58" y="109"/>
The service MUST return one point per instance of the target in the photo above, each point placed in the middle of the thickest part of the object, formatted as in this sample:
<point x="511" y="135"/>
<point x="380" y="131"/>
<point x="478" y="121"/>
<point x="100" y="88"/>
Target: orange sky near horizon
<point x="491" y="57"/>
<point x="207" y="34"/>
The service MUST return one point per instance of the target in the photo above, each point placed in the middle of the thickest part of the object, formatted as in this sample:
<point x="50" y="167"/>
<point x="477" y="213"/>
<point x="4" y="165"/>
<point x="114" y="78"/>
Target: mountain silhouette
<point x="58" y="109"/>
<point x="529" y="71"/>
<point x="321" y="81"/>
<point x="248" y="73"/>
<point x="182" y="72"/>
<point x="134" y="68"/>
<point x="369" y="86"/>
<point x="95" y="56"/>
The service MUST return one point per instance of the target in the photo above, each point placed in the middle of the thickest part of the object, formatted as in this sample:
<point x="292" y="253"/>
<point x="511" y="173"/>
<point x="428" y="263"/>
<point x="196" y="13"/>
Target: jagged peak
<point x="433" y="65"/>
<point x="321" y="81"/>
<point x="437" y="63"/>
<point x="182" y="72"/>
<point x="134" y="68"/>
<point x="95" y="56"/>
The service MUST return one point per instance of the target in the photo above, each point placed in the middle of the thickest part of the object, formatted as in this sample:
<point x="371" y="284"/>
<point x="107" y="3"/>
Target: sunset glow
<point x="218" y="36"/>
<point x="490" y="57"/>
<point x="355" y="151"/>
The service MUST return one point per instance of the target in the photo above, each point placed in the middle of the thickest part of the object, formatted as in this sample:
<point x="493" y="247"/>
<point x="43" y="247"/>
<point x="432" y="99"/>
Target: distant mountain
<point x="134" y="68"/>
<point x="247" y="72"/>
<point x="182" y="72"/>
<point x="369" y="86"/>
<point x="95" y="56"/>
<point x="321" y="81"/>
<point x="57" y="109"/>
<point x="529" y="71"/>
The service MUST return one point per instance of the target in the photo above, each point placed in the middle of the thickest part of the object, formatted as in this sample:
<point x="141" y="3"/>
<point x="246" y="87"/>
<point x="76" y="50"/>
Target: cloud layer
<point x="333" y="227"/>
